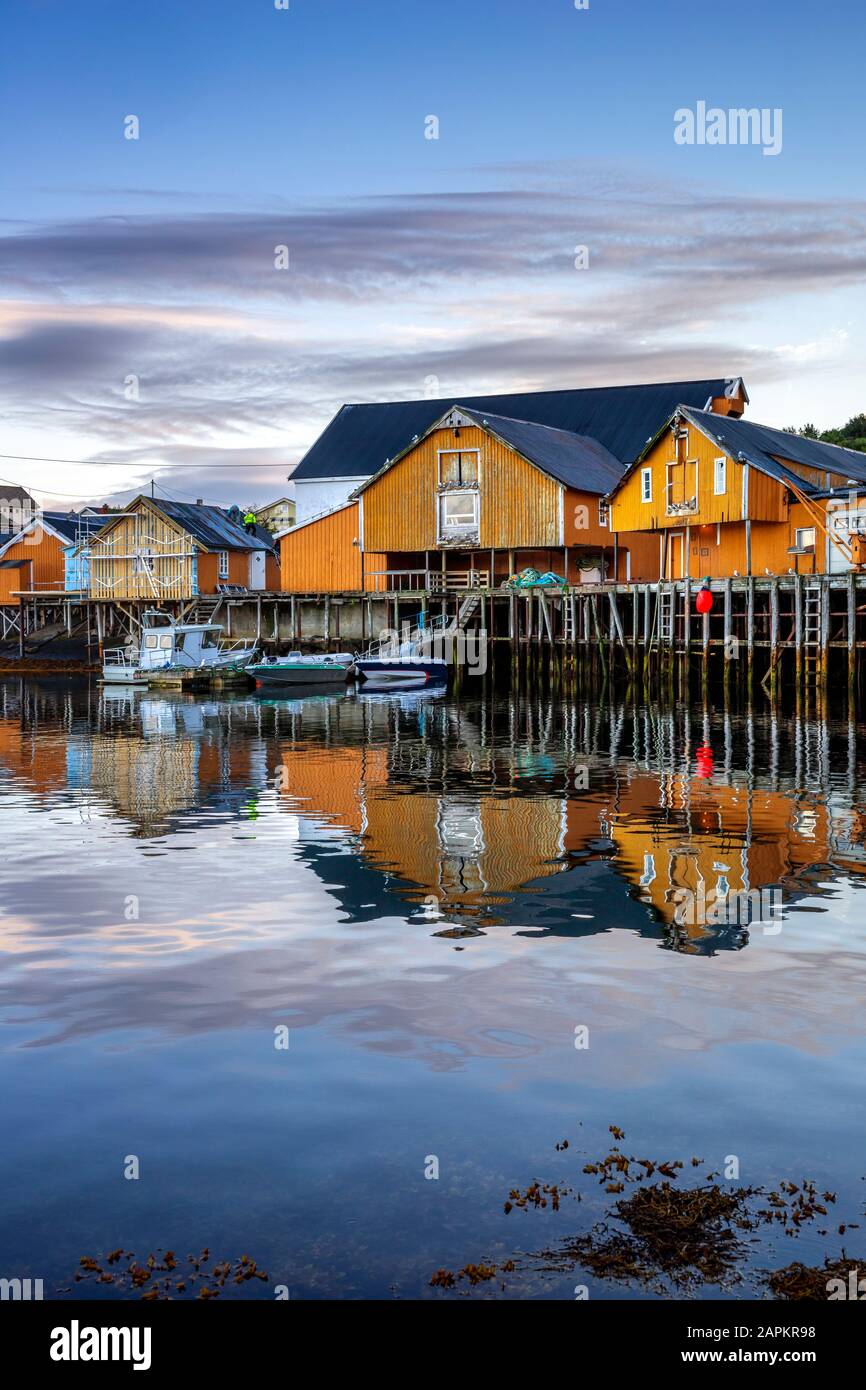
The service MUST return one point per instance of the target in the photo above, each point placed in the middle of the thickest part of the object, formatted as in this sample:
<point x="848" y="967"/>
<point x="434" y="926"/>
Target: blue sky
<point x="409" y="258"/>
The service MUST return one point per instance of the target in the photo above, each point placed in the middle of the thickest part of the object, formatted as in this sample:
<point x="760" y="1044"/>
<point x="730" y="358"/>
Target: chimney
<point x="199" y="501"/>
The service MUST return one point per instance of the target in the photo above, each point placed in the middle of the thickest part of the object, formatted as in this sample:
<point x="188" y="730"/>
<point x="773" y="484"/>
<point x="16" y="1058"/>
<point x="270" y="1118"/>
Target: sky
<point x="472" y="196"/>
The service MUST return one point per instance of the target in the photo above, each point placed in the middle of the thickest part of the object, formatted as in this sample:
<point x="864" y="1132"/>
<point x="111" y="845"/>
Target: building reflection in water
<point x="472" y="812"/>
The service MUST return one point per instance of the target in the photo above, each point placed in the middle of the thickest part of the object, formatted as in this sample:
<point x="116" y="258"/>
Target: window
<point x="151" y="641"/>
<point x="720" y="483"/>
<point x="602" y="512"/>
<point x="458" y="466"/>
<point x="458" y="511"/>
<point x="646" y="485"/>
<point x="804" y="539"/>
<point x="222" y="564"/>
<point x="142" y="562"/>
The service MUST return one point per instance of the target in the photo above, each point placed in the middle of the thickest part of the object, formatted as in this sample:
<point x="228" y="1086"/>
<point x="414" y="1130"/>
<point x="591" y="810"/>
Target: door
<point x="257" y="569"/>
<point x="676" y="545"/>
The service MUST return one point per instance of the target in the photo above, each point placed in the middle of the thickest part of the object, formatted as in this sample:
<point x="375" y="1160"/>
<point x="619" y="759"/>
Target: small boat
<point x="298" y="668"/>
<point x="167" y="647"/>
<point x="398" y="679"/>
<point x="410" y="660"/>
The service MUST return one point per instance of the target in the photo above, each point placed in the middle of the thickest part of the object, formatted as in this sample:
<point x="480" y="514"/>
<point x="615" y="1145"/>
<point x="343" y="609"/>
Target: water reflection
<point x="432" y="895"/>
<point x="467" y="811"/>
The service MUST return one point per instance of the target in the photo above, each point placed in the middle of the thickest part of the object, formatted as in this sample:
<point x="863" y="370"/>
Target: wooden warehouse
<point x="726" y="497"/>
<point x="161" y="551"/>
<point x="362" y="436"/>
<point x="475" y="499"/>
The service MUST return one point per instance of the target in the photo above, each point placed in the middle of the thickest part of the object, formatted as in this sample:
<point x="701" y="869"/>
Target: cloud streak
<point x="475" y="288"/>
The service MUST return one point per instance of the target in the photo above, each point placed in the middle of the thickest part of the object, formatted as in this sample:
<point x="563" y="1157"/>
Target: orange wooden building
<point x="725" y="497"/>
<point x="324" y="555"/>
<point x="34" y="559"/>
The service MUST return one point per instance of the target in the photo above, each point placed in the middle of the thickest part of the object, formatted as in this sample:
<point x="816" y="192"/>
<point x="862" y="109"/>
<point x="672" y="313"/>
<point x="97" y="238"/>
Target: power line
<point x="119" y="463"/>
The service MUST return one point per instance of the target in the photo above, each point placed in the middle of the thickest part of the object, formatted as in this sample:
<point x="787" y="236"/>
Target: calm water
<point x="432" y="897"/>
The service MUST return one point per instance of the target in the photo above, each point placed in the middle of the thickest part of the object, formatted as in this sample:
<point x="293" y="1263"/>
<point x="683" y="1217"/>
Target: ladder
<point x="811" y="629"/>
<point x="667" y="607"/>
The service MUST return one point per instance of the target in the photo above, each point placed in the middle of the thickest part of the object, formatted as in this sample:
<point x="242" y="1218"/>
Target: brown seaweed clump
<point x="690" y="1236"/>
<point x="473" y="1273"/>
<point x="816" y="1282"/>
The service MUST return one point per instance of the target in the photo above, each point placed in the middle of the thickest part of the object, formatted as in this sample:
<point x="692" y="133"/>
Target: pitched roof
<point x="573" y="459"/>
<point x="763" y="446"/>
<point x="212" y="526"/>
<point x="361" y="438"/>
<point x="72" y="526"/>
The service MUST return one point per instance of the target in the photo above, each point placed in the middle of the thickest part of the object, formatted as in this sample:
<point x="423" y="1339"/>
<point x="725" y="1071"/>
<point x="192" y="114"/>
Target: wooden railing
<point x="434" y="581"/>
<point x="466" y="579"/>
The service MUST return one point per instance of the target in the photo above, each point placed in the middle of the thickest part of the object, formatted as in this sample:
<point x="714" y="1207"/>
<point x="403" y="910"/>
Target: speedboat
<point x="298" y="668"/>
<point x="397" y="679"/>
<point x="166" y="646"/>
<point x="410" y="660"/>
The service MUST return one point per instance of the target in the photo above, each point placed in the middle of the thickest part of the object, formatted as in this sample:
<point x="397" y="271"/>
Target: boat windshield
<point x="209" y="639"/>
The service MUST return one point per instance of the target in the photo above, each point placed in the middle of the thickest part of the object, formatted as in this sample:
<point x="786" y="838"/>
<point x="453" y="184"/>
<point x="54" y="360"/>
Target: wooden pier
<point x="768" y="633"/>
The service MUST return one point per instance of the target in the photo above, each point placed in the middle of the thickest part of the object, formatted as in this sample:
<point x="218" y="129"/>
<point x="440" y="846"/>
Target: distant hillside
<point x="851" y="436"/>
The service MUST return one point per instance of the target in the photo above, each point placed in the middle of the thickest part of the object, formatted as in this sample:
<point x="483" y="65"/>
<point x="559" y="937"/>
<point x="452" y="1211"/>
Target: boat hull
<point x="299" y="674"/>
<point x="385" y="669"/>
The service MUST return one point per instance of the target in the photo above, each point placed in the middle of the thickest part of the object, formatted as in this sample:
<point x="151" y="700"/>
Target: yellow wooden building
<point x="473" y="501"/>
<point x="725" y="497"/>
<point x="171" y="551"/>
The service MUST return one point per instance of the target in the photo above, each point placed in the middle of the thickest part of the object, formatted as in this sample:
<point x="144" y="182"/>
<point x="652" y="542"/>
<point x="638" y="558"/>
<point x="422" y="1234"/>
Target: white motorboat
<point x="409" y="662"/>
<point x="167" y="646"/>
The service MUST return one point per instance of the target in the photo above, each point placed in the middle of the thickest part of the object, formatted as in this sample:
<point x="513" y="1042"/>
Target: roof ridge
<point x="546" y="391"/>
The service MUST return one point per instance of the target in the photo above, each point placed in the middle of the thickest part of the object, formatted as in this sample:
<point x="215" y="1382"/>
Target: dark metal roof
<point x="763" y="446"/>
<point x="72" y="526"/>
<point x="211" y="526"/>
<point x="573" y="459"/>
<point x="362" y="438"/>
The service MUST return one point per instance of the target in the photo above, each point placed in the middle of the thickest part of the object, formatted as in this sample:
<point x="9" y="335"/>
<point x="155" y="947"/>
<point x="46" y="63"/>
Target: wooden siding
<point x="42" y="569"/>
<point x="582" y="528"/>
<point x="207" y="569"/>
<point x="117" y="573"/>
<point x="519" y="505"/>
<point x="322" y="556"/>
<point x="697" y="455"/>
<point x="719" y="552"/>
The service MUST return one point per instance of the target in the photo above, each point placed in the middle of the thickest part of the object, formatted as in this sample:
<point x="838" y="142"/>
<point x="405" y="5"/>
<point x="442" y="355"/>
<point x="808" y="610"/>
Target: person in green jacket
<point x="250" y="522"/>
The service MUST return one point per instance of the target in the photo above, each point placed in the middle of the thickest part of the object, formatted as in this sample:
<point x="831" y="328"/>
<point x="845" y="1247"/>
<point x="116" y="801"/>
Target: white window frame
<point x="802" y="531"/>
<point x="646" y="476"/>
<point x="464" y="528"/>
<point x="222" y="564"/>
<point x="603" y="512"/>
<point x="458" y="450"/>
<point x="720" y="470"/>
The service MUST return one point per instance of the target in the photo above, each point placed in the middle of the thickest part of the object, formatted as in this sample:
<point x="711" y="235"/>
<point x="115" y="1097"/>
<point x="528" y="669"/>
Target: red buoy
<point x="704" y="599"/>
